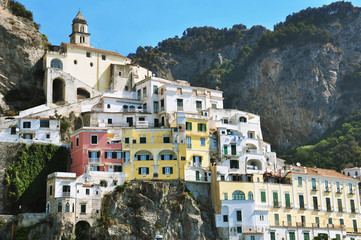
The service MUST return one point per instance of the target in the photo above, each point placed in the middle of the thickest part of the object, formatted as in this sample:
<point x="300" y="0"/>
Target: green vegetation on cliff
<point x="339" y="146"/>
<point x="25" y="178"/>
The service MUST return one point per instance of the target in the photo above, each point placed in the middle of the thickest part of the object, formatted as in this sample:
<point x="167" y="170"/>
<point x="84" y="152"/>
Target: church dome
<point x="79" y="18"/>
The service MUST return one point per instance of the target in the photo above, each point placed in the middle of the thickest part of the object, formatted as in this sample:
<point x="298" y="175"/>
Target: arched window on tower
<point x="67" y="207"/>
<point x="56" y="63"/>
<point x="81" y="28"/>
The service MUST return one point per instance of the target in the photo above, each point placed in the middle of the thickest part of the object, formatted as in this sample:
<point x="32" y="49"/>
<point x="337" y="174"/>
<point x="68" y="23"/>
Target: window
<point x="77" y="141"/>
<point x="188" y="126"/>
<point x="326" y="186"/>
<point x="143" y="157"/>
<point x="110" y="121"/>
<point x="118" y="168"/>
<point x="303" y="220"/>
<point x="225" y="150"/>
<point x="94" y="139"/>
<point x="354" y="223"/>
<point x="166" y="157"/>
<point x="250" y="134"/>
<point x="299" y="181"/>
<point x="261" y="217"/>
<point x="51" y="190"/>
<point x="203" y="141"/>
<point x="44" y="123"/>
<point x="202" y="127"/>
<point x="82" y="208"/>
<point x="317" y="221"/>
<point x="167" y="170"/>
<point x="330" y="221"/>
<point x="239" y="216"/>
<point x="155" y="89"/>
<point x="199" y="105"/>
<point x="104" y="57"/>
<point x="67" y="207"/>
<point x="289" y="220"/>
<point x="197" y="160"/>
<point x="342" y="222"/>
<point x="315" y="203"/>
<point x="339" y="205"/>
<point x="94" y="154"/>
<point x="87" y="191"/>
<point x="155" y="107"/>
<point x="328" y="204"/>
<point x="143" y="170"/>
<point x="166" y="139"/>
<point x="352" y="206"/>
<point x="60" y="206"/>
<point x="48" y="136"/>
<point x="243" y="119"/>
<point x="350" y="188"/>
<point x="75" y="62"/>
<point x="225" y="218"/>
<point x="189" y="142"/>
<point x="108" y="154"/>
<point x="233" y="149"/>
<point x="119" y="73"/>
<point x="142" y="139"/>
<point x="287" y="199"/>
<point x="226" y="196"/>
<point x="26" y="124"/>
<point x="145" y="92"/>
<point x="313" y="180"/>
<point x="263" y="196"/>
<point x="273" y="235"/>
<point x="292" y="236"/>
<point x="126" y="156"/>
<point x="277" y="219"/>
<point x="239" y="229"/>
<point x="88" y="54"/>
<point x="126" y="88"/>
<point x="275" y="199"/>
<point x="180" y="104"/>
<point x="306" y="236"/>
<point x="234" y="164"/>
<point x="214" y="144"/>
<point x="250" y="196"/>
<point x="301" y="200"/>
<point x="238" y="195"/>
<point x="126" y="140"/>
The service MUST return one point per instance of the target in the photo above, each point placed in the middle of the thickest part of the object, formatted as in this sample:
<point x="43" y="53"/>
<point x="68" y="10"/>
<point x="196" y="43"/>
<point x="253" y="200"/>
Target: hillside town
<point x="134" y="126"/>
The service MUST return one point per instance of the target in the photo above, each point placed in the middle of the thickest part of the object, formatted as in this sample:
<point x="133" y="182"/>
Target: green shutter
<point x="273" y="235"/>
<point x="339" y="203"/>
<point x="306" y="236"/>
<point x="199" y="127"/>
<point x="204" y="127"/>
<point x="352" y="203"/>
<point x="287" y="198"/>
<point x="263" y="196"/>
<point x="275" y="199"/>
<point x="239" y="216"/>
<point x="289" y="220"/>
<point x="225" y="148"/>
<point x="277" y="219"/>
<point x="354" y="222"/>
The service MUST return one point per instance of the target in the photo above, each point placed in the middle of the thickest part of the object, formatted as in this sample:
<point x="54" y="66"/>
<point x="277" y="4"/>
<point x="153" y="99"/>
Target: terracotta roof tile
<point x="322" y="172"/>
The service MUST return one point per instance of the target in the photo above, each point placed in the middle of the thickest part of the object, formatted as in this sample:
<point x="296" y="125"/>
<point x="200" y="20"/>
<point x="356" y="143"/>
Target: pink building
<point x="92" y="147"/>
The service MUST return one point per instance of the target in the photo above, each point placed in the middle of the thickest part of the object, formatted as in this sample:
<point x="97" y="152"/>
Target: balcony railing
<point x="142" y="124"/>
<point x="179" y="108"/>
<point x="66" y="194"/>
<point x="94" y="160"/>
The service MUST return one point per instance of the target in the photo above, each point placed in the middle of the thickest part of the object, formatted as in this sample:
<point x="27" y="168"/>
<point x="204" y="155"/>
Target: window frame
<point x="91" y="139"/>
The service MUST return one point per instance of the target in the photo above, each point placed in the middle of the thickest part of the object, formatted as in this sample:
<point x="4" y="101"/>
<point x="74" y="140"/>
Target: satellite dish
<point x="17" y="129"/>
<point x="298" y="164"/>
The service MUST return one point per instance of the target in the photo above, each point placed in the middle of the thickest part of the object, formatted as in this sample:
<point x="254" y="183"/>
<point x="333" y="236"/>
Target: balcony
<point x="330" y="226"/>
<point x="142" y="124"/>
<point x="66" y="194"/>
<point x="94" y="160"/>
<point x="179" y="108"/>
<point x="301" y="224"/>
<point x="315" y="225"/>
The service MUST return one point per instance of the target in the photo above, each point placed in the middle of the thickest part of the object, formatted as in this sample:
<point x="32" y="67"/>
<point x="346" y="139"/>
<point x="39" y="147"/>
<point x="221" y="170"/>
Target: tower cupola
<point x="80" y="35"/>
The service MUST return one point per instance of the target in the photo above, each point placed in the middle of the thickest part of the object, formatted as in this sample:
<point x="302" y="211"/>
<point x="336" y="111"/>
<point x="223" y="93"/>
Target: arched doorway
<point x="58" y="91"/>
<point x="82" y="230"/>
<point x="81" y="93"/>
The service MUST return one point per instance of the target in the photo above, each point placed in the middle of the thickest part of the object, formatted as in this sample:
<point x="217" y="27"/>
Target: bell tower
<point x="80" y="35"/>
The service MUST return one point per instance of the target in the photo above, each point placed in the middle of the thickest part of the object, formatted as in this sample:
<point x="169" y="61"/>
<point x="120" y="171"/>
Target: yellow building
<point x="301" y="204"/>
<point x="151" y="154"/>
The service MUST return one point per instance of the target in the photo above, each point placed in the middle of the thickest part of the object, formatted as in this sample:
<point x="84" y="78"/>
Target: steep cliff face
<point x="21" y="50"/>
<point x="146" y="209"/>
<point x="299" y="90"/>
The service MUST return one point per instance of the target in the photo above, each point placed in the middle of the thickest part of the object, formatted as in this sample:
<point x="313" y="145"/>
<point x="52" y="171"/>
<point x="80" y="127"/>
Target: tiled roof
<point x="93" y="49"/>
<point x="321" y="172"/>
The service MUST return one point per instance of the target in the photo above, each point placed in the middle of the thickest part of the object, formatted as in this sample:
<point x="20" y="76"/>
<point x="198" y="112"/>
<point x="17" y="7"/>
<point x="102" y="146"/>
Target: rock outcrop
<point x="21" y="52"/>
<point x="145" y="209"/>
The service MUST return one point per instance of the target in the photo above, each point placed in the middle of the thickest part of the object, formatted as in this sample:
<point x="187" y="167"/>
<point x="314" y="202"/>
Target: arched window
<point x="60" y="206"/>
<point x="125" y="108"/>
<point x="250" y="196"/>
<point x="132" y="108"/>
<point x="81" y="28"/>
<point x="198" y="177"/>
<point x="243" y="119"/>
<point x="238" y="195"/>
<point x="67" y="207"/>
<point x="56" y="63"/>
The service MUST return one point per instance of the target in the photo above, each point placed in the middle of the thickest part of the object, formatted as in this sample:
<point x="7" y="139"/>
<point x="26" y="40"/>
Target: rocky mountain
<point x="297" y="77"/>
<point x="21" y="52"/>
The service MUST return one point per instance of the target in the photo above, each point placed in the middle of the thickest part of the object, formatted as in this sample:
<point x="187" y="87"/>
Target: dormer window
<point x="88" y="54"/>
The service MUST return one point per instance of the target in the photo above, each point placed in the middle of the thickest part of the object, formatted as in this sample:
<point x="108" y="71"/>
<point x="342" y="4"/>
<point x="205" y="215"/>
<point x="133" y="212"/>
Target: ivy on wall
<point x="29" y="170"/>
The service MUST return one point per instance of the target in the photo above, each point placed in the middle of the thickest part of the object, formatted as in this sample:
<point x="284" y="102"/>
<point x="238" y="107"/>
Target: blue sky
<point x="122" y="26"/>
